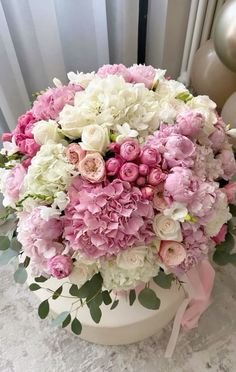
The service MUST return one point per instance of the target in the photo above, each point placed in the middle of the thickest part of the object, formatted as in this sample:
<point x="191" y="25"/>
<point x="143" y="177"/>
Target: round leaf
<point x="20" y="275"/>
<point x="43" y="309"/>
<point x="16" y="245"/>
<point x="221" y="258"/>
<point x="34" y="287"/>
<point x="60" y="318"/>
<point x="95" y="312"/>
<point x="106" y="298"/>
<point x="76" y="326"/>
<point x="115" y="303"/>
<point x="4" y="243"/>
<point x="148" y="298"/>
<point x="163" y="280"/>
<point x="6" y="256"/>
<point x="132" y="296"/>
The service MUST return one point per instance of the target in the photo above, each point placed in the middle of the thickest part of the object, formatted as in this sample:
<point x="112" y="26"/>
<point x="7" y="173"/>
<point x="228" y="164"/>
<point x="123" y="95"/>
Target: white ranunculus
<point x="131" y="258"/>
<point x="219" y="216"/>
<point x="177" y="211"/>
<point x="95" y="138"/>
<point x="73" y="120"/>
<point x="45" y="131"/>
<point x="80" y="78"/>
<point x="82" y="271"/>
<point x="166" y="228"/>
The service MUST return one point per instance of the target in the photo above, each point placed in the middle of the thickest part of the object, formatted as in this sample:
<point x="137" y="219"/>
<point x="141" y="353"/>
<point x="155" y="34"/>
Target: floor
<point x="28" y="344"/>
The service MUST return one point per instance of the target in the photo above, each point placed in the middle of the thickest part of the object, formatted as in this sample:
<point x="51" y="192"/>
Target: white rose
<point x="95" y="138"/>
<point x="132" y="258"/>
<point x="166" y="228"/>
<point x="73" y="120"/>
<point x="177" y="211"/>
<point x="82" y="272"/>
<point x="45" y="131"/>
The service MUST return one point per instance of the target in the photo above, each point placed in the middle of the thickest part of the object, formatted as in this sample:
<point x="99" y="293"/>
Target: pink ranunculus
<point x="228" y="163"/>
<point x="14" y="181"/>
<point x="189" y="123"/>
<point x="230" y="191"/>
<point x="119" y="70"/>
<point x="142" y="74"/>
<point x="49" y="104"/>
<point x="129" y="172"/>
<point x="220" y="237"/>
<point x="156" y="176"/>
<point x="92" y="168"/>
<point x="147" y="192"/>
<point x="113" y="166"/>
<point x="75" y="153"/>
<point x="150" y="156"/>
<point x="60" y="266"/>
<point x="7" y="137"/>
<point x="141" y="181"/>
<point x="217" y="138"/>
<point x="143" y="169"/>
<point x="114" y="147"/>
<point x="129" y="150"/>
<point x="179" y="147"/>
<point x="172" y="253"/>
<point x="178" y="185"/>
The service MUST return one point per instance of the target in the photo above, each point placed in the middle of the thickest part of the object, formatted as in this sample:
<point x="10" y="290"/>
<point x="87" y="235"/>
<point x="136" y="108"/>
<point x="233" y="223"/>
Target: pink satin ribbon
<point x="198" y="285"/>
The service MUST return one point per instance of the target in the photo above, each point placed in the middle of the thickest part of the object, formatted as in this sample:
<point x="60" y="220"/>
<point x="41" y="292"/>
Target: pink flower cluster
<point x="101" y="221"/>
<point x="136" y="165"/>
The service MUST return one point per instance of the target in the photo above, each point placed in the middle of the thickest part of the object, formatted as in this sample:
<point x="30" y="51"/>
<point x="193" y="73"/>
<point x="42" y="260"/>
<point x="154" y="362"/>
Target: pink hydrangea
<point x="49" y="104"/>
<point x="142" y="74"/>
<point x="104" y="220"/>
<point x="120" y="70"/>
<point x="23" y="135"/>
<point x="40" y="239"/>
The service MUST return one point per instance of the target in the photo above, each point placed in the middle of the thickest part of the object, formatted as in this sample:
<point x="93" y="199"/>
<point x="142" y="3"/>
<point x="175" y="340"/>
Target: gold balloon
<point x="228" y="112"/>
<point x="209" y="76"/>
<point x="224" y="34"/>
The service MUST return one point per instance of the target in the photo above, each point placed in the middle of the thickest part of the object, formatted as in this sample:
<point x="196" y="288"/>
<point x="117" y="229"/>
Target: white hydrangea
<point x="83" y="270"/>
<point x="49" y="171"/>
<point x="129" y="268"/>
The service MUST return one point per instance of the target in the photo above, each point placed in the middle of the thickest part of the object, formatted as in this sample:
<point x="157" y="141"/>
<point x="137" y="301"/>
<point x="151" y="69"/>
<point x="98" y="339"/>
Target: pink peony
<point x="7" y="137"/>
<point x="178" y="185"/>
<point x="120" y="70"/>
<point x="102" y="221"/>
<point x="92" y="168"/>
<point x="60" y="266"/>
<point x="217" y="138"/>
<point x="143" y="169"/>
<point x="129" y="172"/>
<point x="220" y="237"/>
<point x="150" y="156"/>
<point x="156" y="176"/>
<point x="189" y="123"/>
<point x="230" y="191"/>
<point x="129" y="150"/>
<point x="142" y="74"/>
<point x="49" y="104"/>
<point x="75" y="153"/>
<point x="172" y="253"/>
<point x="23" y="134"/>
<point x="179" y="147"/>
<point x="228" y="163"/>
<point x="113" y="166"/>
<point x="14" y="181"/>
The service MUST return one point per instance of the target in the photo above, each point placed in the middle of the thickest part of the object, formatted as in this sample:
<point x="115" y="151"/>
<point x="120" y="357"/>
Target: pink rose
<point x="14" y="181"/>
<point x="60" y="266"/>
<point x="141" y="181"/>
<point x="120" y="70"/>
<point x="159" y="201"/>
<point x="114" y="147"/>
<point x="147" y="192"/>
<point x="129" y="150"/>
<point x="178" y="185"/>
<point x="7" y="137"/>
<point x="220" y="237"/>
<point x="142" y="74"/>
<point x="113" y="166"/>
<point x="150" y="156"/>
<point x="75" y="153"/>
<point x="230" y="191"/>
<point x="129" y="172"/>
<point x="92" y="168"/>
<point x="156" y="176"/>
<point x="172" y="253"/>
<point x="189" y="123"/>
<point x="143" y="169"/>
<point x="228" y="163"/>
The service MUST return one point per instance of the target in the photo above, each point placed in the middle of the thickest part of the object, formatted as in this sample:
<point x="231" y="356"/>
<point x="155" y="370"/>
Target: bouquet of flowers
<point x="116" y="179"/>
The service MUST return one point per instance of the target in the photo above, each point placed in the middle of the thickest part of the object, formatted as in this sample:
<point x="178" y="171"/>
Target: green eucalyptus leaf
<point x="115" y="303"/>
<point x="43" y="309"/>
<point x="227" y="245"/>
<point x="83" y="291"/>
<point x="163" y="280"/>
<point x="60" y="318"/>
<point x="148" y="298"/>
<point x="76" y="326"/>
<point x="16" y="245"/>
<point x="34" y="287"/>
<point x="4" y="243"/>
<point x="26" y="261"/>
<point x="95" y="311"/>
<point x="74" y="290"/>
<point x="7" y="255"/>
<point x="221" y="257"/>
<point x="20" y="275"/>
<point x="67" y="321"/>
<point x="95" y="285"/>
<point x="106" y="297"/>
<point x="40" y="279"/>
<point x="132" y="296"/>
<point x="232" y="259"/>
<point x="57" y="293"/>
<point x="232" y="209"/>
